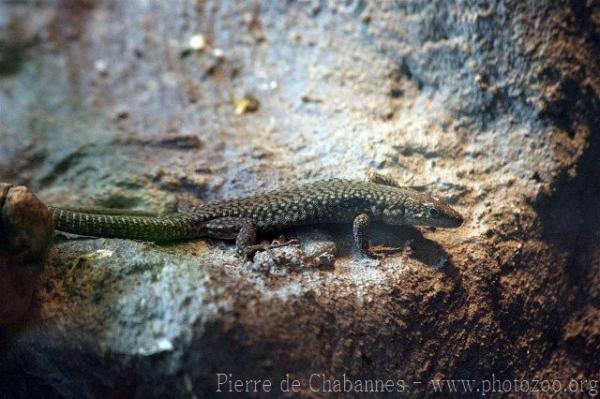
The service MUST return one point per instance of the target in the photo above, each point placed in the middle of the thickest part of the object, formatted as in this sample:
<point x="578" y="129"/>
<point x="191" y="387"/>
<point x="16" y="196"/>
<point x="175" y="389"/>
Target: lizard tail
<point x="126" y="224"/>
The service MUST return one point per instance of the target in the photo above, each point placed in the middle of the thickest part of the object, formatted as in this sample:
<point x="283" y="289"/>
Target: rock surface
<point x="494" y="108"/>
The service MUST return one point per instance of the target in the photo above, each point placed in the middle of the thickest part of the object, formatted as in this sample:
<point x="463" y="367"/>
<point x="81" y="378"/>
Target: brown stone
<point x="26" y="235"/>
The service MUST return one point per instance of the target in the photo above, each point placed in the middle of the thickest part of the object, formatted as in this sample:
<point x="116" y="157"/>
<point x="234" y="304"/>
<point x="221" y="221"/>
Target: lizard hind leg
<point x="243" y="230"/>
<point x="385" y="180"/>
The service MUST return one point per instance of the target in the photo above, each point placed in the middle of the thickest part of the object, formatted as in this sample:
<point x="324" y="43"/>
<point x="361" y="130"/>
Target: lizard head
<point x="423" y="210"/>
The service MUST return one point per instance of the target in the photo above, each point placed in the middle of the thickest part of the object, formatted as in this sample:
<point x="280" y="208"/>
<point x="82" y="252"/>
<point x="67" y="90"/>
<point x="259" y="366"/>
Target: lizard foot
<point x="381" y="252"/>
<point x="249" y="251"/>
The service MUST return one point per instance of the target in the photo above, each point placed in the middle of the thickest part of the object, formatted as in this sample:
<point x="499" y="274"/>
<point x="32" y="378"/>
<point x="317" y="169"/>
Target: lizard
<point x="241" y="219"/>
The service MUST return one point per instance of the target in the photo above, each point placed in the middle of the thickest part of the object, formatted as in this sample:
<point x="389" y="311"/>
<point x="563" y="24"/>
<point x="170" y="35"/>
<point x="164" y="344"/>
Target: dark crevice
<point x="585" y="24"/>
<point x="64" y="165"/>
<point x="404" y="72"/>
<point x="181" y="142"/>
<point x="570" y="212"/>
<point x="567" y="105"/>
<point x="572" y="200"/>
<point x="12" y="57"/>
<point x="3" y="223"/>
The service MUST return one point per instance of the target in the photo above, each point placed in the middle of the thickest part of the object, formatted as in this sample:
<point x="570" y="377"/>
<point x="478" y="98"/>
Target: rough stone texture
<point x="26" y="234"/>
<point x="494" y="107"/>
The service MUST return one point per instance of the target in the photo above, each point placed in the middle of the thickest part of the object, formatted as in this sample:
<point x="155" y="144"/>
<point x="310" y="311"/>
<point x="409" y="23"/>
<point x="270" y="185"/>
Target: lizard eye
<point x="433" y="212"/>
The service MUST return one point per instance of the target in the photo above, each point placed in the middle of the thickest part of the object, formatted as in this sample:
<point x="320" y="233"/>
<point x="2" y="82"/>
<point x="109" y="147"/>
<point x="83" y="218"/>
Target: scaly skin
<point x="327" y="201"/>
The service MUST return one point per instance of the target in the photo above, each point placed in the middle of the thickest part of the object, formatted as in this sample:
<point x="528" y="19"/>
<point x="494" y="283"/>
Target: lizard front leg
<point x="243" y="230"/>
<point x="360" y="231"/>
